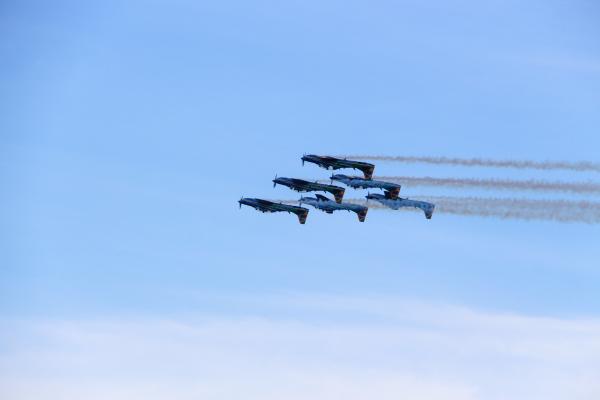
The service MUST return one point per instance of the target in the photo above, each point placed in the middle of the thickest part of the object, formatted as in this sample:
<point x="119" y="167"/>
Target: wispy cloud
<point x="366" y="348"/>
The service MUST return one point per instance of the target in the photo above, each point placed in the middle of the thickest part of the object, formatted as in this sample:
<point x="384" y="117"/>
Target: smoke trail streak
<point x="504" y="208"/>
<point x="491" y="184"/>
<point x="484" y="162"/>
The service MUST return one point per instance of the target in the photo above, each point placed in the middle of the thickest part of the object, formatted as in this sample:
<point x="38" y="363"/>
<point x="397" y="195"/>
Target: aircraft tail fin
<point x="302" y="215"/>
<point x="429" y="212"/>
<point x="368" y="171"/>
<point x="362" y="214"/>
<point x="339" y="195"/>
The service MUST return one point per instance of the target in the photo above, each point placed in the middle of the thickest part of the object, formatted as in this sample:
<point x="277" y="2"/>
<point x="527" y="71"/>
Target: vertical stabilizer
<point x="362" y="214"/>
<point x="339" y="195"/>
<point x="302" y="215"/>
<point x="368" y="171"/>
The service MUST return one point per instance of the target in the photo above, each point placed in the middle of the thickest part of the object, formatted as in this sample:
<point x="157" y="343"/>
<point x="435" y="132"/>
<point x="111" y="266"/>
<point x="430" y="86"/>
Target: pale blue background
<point x="130" y="129"/>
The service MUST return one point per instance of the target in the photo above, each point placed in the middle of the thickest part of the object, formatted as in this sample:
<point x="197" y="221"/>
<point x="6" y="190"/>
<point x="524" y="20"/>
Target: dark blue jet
<point x="269" y="206"/>
<point x="301" y="185"/>
<point x="329" y="162"/>
<point x="329" y="206"/>
<point x="398" y="202"/>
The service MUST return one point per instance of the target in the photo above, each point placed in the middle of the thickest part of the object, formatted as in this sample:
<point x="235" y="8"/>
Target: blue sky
<point x="130" y="129"/>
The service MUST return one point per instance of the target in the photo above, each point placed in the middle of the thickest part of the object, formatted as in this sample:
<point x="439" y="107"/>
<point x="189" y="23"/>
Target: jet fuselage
<point x="329" y="206"/>
<point x="269" y="206"/>
<point x="357" y="182"/>
<point x="400" y="202"/>
<point x="329" y="162"/>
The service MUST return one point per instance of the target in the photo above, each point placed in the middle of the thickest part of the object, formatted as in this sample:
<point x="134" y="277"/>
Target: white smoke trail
<point x="504" y="208"/>
<point x="492" y="184"/>
<point x="517" y="208"/>
<point x="484" y="162"/>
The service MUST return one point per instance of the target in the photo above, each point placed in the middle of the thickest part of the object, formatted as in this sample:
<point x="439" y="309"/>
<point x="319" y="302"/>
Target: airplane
<point x="329" y="206"/>
<point x="358" y="182"/>
<point x="329" y="162"/>
<point x="269" y="206"/>
<point x="301" y="185"/>
<point x="395" y="204"/>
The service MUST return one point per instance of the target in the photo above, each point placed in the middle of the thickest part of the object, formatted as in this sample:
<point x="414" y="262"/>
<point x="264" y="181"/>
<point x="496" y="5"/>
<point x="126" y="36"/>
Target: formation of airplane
<point x="329" y="206"/>
<point x="390" y="198"/>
